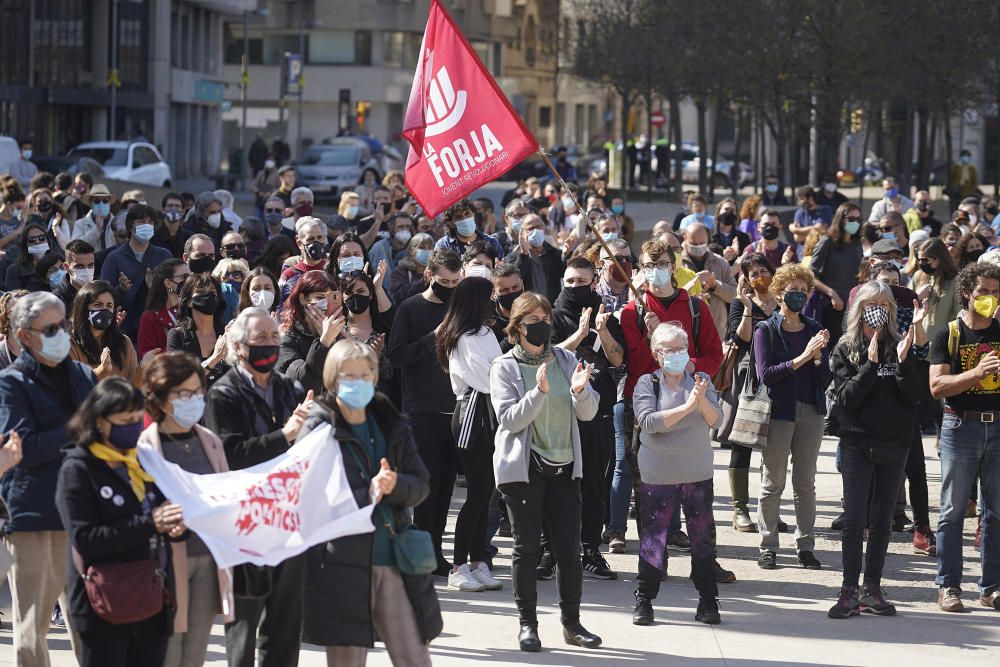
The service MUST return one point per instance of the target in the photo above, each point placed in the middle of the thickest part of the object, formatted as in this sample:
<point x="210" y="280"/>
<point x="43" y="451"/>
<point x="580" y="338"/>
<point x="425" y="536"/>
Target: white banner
<point x="272" y="511"/>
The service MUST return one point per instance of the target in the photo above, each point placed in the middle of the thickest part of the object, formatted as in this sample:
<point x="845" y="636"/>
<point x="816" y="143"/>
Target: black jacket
<point x="195" y="224"/>
<point x="184" y="339"/>
<point x="337" y="603"/>
<point x="25" y="278"/>
<point x="552" y="264"/>
<point x="175" y="244"/>
<point x="878" y="402"/>
<point x="301" y="358"/>
<point x="66" y="292"/>
<point x="231" y="410"/>
<point x="106" y="524"/>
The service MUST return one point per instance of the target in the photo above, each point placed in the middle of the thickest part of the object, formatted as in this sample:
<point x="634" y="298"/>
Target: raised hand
<point x="919" y="312"/>
<point x="385" y="481"/>
<point x="106" y="360"/>
<point x="10" y="452"/>
<point x="124" y="282"/>
<point x="989" y="364"/>
<point x="331" y="327"/>
<point x="583" y="328"/>
<point x="542" y="378"/>
<point x="698" y="392"/>
<point x="732" y="251"/>
<point x="601" y="321"/>
<point x="873" y="348"/>
<point x="904" y="345"/>
<point x="380" y="271"/>
<point x="149" y="356"/>
<point x="789" y="257"/>
<point x="581" y="377"/>
<point x="651" y="321"/>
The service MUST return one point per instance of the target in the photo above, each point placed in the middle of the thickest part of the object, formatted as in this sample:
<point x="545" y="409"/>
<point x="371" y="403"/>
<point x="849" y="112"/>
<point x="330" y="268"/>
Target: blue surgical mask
<point x="536" y="237"/>
<point x="617" y="209"/>
<point x="965" y="159"/>
<point x="610" y="236"/>
<point x="422" y="255"/>
<point x="352" y="211"/>
<point x="772" y="188"/>
<point x="515" y="225"/>
<point x="143" y="233"/>
<point x="355" y="393"/>
<point x="852" y="227"/>
<point x="57" y="277"/>
<point x="676" y="362"/>
<point x="889" y="236"/>
<point x="188" y="411"/>
<point x="101" y="209"/>
<point x="891" y="193"/>
<point x="56" y="347"/>
<point x="466" y="227"/>
<point x="699" y="216"/>
<point x="657" y="277"/>
<point x="348" y="264"/>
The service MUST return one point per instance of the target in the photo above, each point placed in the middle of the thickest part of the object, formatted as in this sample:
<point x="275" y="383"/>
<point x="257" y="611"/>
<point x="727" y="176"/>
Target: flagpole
<point x="590" y="225"/>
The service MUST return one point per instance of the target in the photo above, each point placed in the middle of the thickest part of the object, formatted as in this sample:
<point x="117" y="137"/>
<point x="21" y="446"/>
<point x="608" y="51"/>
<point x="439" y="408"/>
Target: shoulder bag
<point x="753" y="411"/>
<point x="128" y="592"/>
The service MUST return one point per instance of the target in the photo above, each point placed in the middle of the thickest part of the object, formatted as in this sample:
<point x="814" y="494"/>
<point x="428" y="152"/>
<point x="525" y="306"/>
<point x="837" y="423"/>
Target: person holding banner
<point x="257" y="414"/>
<point x="115" y="516"/>
<point x="356" y="587"/>
<point x="539" y="393"/>
<point x="175" y="399"/>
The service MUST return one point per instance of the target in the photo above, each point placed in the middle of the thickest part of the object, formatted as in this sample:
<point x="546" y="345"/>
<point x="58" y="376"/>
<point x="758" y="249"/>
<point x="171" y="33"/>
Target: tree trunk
<point x="923" y="163"/>
<point x="700" y="105"/>
<point x="762" y="154"/>
<point x="626" y="107"/>
<point x="864" y="152"/>
<point x="677" y="157"/>
<point x="715" y="148"/>
<point x="737" y="147"/>
<point x="946" y="119"/>
<point x="905" y="169"/>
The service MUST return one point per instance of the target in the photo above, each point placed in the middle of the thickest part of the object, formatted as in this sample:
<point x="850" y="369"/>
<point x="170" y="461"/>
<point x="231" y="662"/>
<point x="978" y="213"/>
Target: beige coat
<point x="217" y="457"/>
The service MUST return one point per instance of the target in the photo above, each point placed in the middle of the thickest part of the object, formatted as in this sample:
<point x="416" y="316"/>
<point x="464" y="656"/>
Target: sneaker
<point x="443" y="568"/>
<point x="767" y="560"/>
<point x="483" y="575"/>
<point x="838" y="523"/>
<point x="679" y="542"/>
<point x="923" y="541"/>
<point x="708" y="611"/>
<point x="504" y="529"/>
<point x="617" y="544"/>
<point x="643" y="613"/>
<point x="992" y="600"/>
<point x="950" y="598"/>
<point x="57" y="618"/>
<point x="462" y="579"/>
<point x="594" y="565"/>
<point x="546" y="566"/>
<point x="808" y="561"/>
<point x="847" y="603"/>
<point x="901" y="523"/>
<point x="871" y="600"/>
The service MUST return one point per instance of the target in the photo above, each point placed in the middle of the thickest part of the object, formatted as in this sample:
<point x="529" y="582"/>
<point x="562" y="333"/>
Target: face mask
<point x="348" y="264"/>
<point x="852" y="227"/>
<point x="479" y="271"/>
<point x="262" y="358"/>
<point x="965" y="159"/>
<point x="610" y="236"/>
<point x="206" y="304"/>
<point x="618" y="274"/>
<point x="795" y="301"/>
<point x="761" y="284"/>
<point x="214" y="220"/>
<point x="699" y="216"/>
<point x="316" y="250"/>
<point x="536" y="237"/>
<point x="581" y="294"/>
<point x="889" y="236"/>
<point x="875" y="315"/>
<point x="829" y="188"/>
<point x="926" y="267"/>
<point x="357" y="303"/>
<point x="985" y="306"/>
<point x="101" y="209"/>
<point x="80" y="188"/>
<point x="441" y="292"/>
<point x="27" y="154"/>
<point x="268" y="164"/>
<point x="400" y="203"/>
<point x="568" y="204"/>
<point x="515" y="225"/>
<point x="617" y="209"/>
<point x="304" y="209"/>
<point x="676" y="362"/>
<point x="273" y="219"/>
<point x="56" y="278"/>
<point x="422" y="256"/>
<point x="262" y="298"/>
<point x="466" y="227"/>
<point x="44" y="206"/>
<point x="657" y="277"/>
<point x="922" y="206"/>
<point x="321" y="304"/>
<point x="83" y="276"/>
<point x="352" y="211"/>
<point x="538" y="333"/>
<point x="386" y="207"/>
<point x="202" y="264"/>
<point x="772" y="188"/>
<point x="973" y="219"/>
<point x="188" y="411"/>
<point x="769" y="232"/>
<point x="355" y="394"/>
<point x="125" y="436"/>
<point x="891" y="193"/>
<point x="403" y="236"/>
<point x="698" y="250"/>
<point x="507" y="300"/>
<point x="101" y="319"/>
<point x="143" y="233"/>
<point x="727" y="219"/>
<point x="173" y="215"/>
<point x="974" y="255"/>
<point x="38" y="250"/>
<point x="55" y="348"/>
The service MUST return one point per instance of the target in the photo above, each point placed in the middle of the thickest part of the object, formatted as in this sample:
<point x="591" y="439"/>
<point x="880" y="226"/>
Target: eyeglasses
<point x="345" y="377"/>
<point x="233" y="275"/>
<point x="622" y="259"/>
<point x="186" y="395"/>
<point x="672" y="350"/>
<point x="35" y="240"/>
<point x="100" y="200"/>
<point x="858" y="220"/>
<point x="351" y="275"/>
<point x="229" y="247"/>
<point x="658" y="265"/>
<point x="50" y="330"/>
<point x="274" y="210"/>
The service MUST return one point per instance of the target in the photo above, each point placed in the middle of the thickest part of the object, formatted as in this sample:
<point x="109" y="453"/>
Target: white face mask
<point x="269" y="164"/>
<point x="479" y="271"/>
<point x="264" y="299"/>
<point x="321" y="304"/>
<point x="38" y="250"/>
<point x="698" y="250"/>
<point x="214" y="220"/>
<point x="83" y="276"/>
<point x="403" y="236"/>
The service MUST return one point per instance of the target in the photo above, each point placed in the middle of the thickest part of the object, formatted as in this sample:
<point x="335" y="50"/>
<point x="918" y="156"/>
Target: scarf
<point x="526" y="357"/>
<point x="136" y="475"/>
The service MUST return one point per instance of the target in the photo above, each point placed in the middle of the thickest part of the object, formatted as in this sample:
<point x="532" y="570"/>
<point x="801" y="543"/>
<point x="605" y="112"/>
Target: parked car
<point x="131" y="161"/>
<point x="387" y="157"/>
<point x="331" y="168"/>
<point x="721" y="175"/>
<point x="71" y="165"/>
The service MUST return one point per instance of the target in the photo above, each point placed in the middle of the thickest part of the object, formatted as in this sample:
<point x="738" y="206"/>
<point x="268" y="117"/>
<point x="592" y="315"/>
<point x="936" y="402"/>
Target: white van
<point x="9" y="153"/>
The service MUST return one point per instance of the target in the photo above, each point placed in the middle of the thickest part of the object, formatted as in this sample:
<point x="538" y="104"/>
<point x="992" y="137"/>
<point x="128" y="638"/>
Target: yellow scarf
<point x="136" y="475"/>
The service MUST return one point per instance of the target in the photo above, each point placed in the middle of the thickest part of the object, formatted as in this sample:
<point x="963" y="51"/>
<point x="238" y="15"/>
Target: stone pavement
<point x="768" y="618"/>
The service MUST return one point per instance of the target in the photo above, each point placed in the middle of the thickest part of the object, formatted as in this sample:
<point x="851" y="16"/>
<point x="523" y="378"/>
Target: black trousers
<point x="281" y="627"/>
<point x="597" y="445"/>
<point x="135" y="645"/>
<point x="557" y="501"/>
<point x="436" y="445"/>
<point x="470" y="528"/>
<point x="916" y="475"/>
<point x="877" y="471"/>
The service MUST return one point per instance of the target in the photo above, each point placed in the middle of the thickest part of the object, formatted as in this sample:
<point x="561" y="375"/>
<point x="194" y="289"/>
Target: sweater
<point x="426" y="387"/>
<point x="470" y="361"/>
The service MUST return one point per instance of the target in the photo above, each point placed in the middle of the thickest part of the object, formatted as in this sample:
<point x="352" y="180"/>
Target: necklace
<point x="183" y="440"/>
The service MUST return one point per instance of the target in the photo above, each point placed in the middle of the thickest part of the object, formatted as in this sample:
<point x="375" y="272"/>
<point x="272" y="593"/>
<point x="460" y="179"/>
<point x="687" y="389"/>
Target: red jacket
<point x="705" y="351"/>
<point x="153" y="328"/>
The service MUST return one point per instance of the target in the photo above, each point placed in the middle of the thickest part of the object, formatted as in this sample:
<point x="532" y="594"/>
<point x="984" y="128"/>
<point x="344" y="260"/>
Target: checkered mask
<point x="875" y="315"/>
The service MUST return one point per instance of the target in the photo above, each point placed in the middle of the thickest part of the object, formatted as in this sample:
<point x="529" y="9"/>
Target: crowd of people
<point x="568" y="379"/>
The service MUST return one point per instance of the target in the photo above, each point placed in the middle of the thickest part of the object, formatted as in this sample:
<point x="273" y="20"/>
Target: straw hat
<point x="99" y="190"/>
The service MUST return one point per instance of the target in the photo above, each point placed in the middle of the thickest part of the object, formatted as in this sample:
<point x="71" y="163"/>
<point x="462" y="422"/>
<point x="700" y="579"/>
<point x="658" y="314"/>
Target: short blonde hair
<point x="227" y="264"/>
<point x="788" y="273"/>
<point x="345" y="350"/>
<point x="346" y="199"/>
<point x="667" y="331"/>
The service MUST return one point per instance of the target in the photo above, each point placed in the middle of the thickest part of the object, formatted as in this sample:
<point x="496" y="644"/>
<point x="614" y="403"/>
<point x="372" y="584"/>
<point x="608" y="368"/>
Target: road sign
<point x="292" y="74"/>
<point x="657" y="119"/>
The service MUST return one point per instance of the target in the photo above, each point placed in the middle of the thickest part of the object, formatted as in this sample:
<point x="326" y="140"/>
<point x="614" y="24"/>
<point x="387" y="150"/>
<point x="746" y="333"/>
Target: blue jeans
<point x="621" y="480"/>
<point x="968" y="447"/>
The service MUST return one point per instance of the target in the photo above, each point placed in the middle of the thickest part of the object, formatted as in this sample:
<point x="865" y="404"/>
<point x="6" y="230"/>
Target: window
<point x="331" y="47"/>
<point x="544" y="116"/>
<point x="109" y="157"/>
<point x="61" y="42"/>
<point x="277" y="44"/>
<point x="401" y="49"/>
<point x="331" y="157"/>
<point x="142" y="156"/>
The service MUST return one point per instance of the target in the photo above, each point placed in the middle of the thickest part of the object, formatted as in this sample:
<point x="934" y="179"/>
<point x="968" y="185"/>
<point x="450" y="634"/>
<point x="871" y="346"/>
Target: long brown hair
<point x="113" y="339"/>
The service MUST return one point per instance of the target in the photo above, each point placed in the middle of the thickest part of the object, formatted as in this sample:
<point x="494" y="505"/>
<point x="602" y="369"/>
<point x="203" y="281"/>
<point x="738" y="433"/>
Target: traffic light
<point x="857" y="120"/>
<point x="361" y="111"/>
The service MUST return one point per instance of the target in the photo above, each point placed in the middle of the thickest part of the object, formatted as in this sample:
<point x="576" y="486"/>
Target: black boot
<point x="528" y="638"/>
<point x="643" y="614"/>
<point x="708" y="611"/>
<point x="577" y="635"/>
<point x="703" y="574"/>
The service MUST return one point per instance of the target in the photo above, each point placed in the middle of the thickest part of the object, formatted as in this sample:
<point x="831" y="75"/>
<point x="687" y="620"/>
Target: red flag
<point x="462" y="130"/>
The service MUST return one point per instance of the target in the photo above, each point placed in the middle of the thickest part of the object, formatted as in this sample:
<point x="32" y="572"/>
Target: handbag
<point x="753" y="412"/>
<point x="723" y="378"/>
<point x="125" y="592"/>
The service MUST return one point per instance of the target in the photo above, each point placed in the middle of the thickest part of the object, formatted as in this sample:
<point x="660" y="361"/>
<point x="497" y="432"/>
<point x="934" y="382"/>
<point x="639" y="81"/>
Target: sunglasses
<point x="622" y="259"/>
<point x="233" y="275"/>
<point x="52" y="329"/>
<point x="34" y="240"/>
<point x="100" y="200"/>
<point x="858" y="220"/>
<point x="356" y="273"/>
<point x="235" y="246"/>
<point x="274" y="210"/>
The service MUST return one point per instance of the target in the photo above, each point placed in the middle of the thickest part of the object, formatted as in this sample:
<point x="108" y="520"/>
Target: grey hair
<point x="418" y="239"/>
<point x="513" y="205"/>
<point x="306" y="221"/>
<point x="853" y="339"/>
<point x="226" y="197"/>
<point x="275" y="198"/>
<point x="30" y="306"/>
<point x="618" y="244"/>
<point x="666" y="331"/>
<point x="206" y="199"/>
<point x="239" y="331"/>
<point x="302" y="191"/>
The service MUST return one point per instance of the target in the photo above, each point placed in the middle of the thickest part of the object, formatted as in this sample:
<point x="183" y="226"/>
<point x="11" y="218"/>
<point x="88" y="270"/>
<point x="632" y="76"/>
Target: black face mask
<point x="206" y="304"/>
<point x="974" y="255"/>
<point x="441" y="292"/>
<point x="101" y="319"/>
<point x="538" y="333"/>
<point x="728" y="219"/>
<point x="581" y="296"/>
<point x="202" y="264"/>
<point x="44" y="206"/>
<point x="238" y="253"/>
<point x="507" y="300"/>
<point x="769" y="232"/>
<point x="400" y="203"/>
<point x="262" y="358"/>
<point x="926" y="268"/>
<point x="386" y="208"/>
<point x="358" y="303"/>
<point x="316" y="250"/>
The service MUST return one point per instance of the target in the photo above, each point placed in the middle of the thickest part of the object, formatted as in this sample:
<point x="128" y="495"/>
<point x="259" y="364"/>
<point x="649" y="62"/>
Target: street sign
<point x="292" y="74"/>
<point x="213" y="92"/>
<point x="657" y="119"/>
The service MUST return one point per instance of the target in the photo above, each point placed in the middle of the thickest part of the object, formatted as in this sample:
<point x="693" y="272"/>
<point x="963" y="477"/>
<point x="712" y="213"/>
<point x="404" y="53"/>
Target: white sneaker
<point x="463" y="580"/>
<point x="483" y="575"/>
